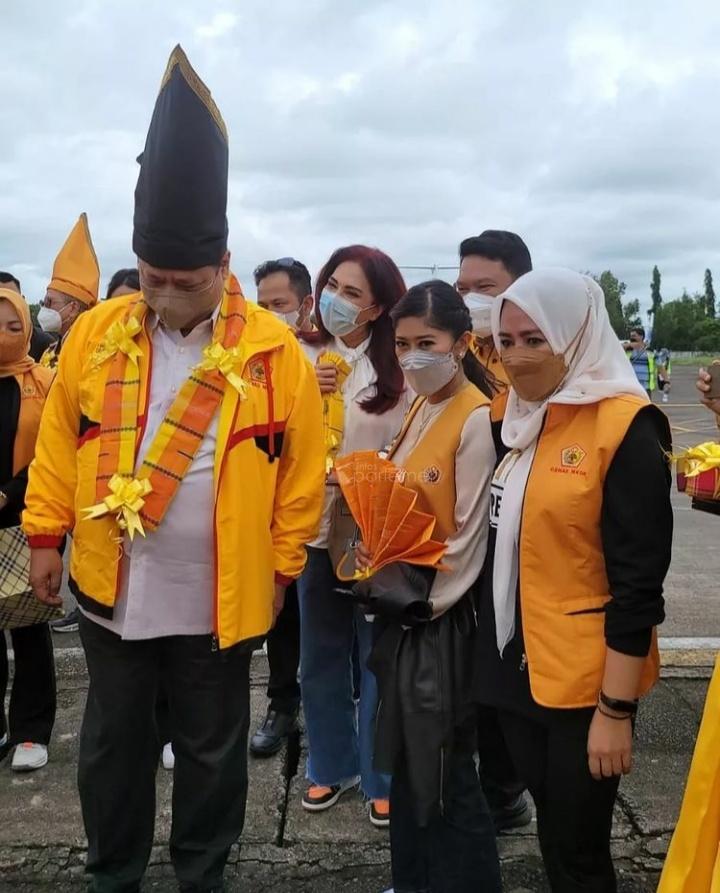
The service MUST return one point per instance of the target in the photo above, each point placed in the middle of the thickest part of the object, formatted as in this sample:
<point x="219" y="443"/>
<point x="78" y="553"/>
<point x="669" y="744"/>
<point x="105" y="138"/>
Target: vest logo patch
<point x="257" y="373"/>
<point x="431" y="475"/>
<point x="28" y="391"/>
<point x="572" y="456"/>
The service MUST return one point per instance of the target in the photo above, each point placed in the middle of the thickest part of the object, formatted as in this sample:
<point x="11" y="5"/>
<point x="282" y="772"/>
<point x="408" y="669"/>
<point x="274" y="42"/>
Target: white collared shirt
<point x="362" y="430"/>
<point x="167" y="580"/>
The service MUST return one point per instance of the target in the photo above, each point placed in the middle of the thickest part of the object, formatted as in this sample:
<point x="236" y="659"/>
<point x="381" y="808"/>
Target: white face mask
<point x="49" y="320"/>
<point x="480" y="307"/>
<point x="291" y="319"/>
<point x="428" y="372"/>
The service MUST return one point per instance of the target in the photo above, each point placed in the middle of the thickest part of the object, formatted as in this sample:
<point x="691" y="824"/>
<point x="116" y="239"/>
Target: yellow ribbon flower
<point x="700" y="458"/>
<point x="125" y="500"/>
<point x="228" y="361"/>
<point x="49" y="358"/>
<point x="120" y="337"/>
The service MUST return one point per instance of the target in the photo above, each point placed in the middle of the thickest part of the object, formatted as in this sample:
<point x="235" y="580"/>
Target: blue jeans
<point x="340" y="735"/>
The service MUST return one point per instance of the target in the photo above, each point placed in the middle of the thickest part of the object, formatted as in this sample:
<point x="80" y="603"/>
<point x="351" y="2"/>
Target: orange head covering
<point x="34" y="382"/>
<point x="26" y="362"/>
<point x="76" y="271"/>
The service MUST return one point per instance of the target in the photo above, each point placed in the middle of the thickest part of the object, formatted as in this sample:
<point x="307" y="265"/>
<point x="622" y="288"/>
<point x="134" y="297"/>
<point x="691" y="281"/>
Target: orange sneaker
<point x="319" y="797"/>
<point x="380" y="813"/>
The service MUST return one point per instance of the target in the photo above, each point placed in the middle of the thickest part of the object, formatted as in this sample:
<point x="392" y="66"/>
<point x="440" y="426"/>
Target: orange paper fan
<point x="391" y="528"/>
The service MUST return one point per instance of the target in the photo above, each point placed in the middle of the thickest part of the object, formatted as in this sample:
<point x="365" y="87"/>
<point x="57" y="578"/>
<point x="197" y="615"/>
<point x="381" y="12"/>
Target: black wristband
<point x="618" y="705"/>
<point x="612" y="715"/>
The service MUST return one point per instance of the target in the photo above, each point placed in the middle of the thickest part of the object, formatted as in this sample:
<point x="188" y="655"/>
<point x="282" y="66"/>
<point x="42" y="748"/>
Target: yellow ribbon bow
<point x="334" y="410"/>
<point x="120" y="337"/>
<point x="700" y="458"/>
<point x="125" y="500"/>
<point x="228" y="361"/>
<point x="49" y="358"/>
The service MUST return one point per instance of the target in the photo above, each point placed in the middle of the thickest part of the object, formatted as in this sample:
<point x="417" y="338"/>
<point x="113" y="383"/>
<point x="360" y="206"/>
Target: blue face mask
<point x="338" y="315"/>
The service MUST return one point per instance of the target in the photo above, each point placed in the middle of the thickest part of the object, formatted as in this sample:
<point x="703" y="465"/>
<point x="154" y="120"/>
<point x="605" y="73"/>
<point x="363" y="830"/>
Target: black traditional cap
<point x="181" y="195"/>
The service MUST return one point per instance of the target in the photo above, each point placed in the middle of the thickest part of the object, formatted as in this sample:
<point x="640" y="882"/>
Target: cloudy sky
<point x="590" y="128"/>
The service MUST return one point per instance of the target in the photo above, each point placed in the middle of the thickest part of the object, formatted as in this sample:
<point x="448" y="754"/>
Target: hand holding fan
<point x="390" y="526"/>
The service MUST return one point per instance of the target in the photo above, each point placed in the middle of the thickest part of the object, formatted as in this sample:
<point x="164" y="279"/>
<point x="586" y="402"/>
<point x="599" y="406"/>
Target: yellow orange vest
<point x="430" y="467"/>
<point x="563" y="583"/>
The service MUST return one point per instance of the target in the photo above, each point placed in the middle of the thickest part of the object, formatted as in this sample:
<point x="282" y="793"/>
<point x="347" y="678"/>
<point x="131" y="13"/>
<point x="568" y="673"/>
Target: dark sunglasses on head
<point x="287" y="262"/>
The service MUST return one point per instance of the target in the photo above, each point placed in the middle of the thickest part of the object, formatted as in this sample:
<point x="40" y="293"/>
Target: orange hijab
<point x="34" y="382"/>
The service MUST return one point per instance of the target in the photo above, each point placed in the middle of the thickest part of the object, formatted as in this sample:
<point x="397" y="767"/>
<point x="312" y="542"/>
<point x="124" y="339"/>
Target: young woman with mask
<point x="23" y="388"/>
<point x="354" y="293"/>
<point x="572" y="591"/>
<point x="442" y="833"/>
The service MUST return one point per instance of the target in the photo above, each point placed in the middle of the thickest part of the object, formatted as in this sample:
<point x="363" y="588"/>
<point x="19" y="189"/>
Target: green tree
<point x="709" y="295"/>
<point x="655" y="295"/>
<point x="613" y="290"/>
<point x="676" y="323"/>
<point x="631" y="317"/>
<point x="34" y="310"/>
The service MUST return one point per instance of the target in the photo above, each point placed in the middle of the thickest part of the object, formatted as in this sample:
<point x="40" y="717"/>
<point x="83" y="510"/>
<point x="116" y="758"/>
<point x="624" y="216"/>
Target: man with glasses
<point x="73" y="287"/>
<point x="284" y="288"/>
<point x="182" y="444"/>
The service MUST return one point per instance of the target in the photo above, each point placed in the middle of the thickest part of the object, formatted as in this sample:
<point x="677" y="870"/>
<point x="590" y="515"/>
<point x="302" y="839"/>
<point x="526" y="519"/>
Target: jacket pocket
<point x="594" y="604"/>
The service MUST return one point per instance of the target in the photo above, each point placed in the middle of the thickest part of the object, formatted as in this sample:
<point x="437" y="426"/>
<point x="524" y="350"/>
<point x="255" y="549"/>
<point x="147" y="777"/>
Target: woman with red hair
<point x="354" y="293"/>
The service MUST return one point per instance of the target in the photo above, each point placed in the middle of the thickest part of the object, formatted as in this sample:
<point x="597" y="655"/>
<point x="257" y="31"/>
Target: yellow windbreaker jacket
<point x="269" y="471"/>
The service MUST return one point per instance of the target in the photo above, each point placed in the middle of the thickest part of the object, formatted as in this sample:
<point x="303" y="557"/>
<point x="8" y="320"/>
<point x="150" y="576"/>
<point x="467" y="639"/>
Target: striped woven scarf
<point x="187" y="421"/>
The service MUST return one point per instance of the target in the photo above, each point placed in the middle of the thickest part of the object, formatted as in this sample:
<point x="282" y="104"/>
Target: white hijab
<point x="559" y="302"/>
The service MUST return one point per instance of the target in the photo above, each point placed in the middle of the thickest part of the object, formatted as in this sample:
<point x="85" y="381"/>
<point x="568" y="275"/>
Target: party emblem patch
<point x="431" y="475"/>
<point x="257" y="373"/>
<point x="572" y="456"/>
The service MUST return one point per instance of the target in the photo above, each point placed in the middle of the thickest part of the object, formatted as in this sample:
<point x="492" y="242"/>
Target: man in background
<point x="643" y="361"/>
<point x="663" y="364"/>
<point x="489" y="264"/>
<point x="73" y="287"/>
<point x="284" y="288"/>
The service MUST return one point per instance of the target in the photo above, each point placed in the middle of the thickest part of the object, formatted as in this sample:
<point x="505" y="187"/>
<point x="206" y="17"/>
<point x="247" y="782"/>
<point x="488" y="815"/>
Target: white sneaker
<point x="29" y="756"/>
<point x="168" y="757"/>
<point x="665" y="398"/>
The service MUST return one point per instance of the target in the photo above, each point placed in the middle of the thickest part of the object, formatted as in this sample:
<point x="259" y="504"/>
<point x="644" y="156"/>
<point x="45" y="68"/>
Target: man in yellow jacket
<point x="182" y="447"/>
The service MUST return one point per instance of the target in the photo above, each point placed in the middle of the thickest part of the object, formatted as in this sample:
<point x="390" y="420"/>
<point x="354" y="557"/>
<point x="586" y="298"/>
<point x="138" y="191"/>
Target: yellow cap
<point x="76" y="271"/>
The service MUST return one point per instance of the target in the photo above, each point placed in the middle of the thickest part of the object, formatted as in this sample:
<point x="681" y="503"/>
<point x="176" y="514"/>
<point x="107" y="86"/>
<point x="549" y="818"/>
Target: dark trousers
<point x="283" y="649"/>
<point x="574" y="812"/>
<point x="208" y="698"/>
<point x="456" y="852"/>
<point x="500" y="781"/>
<point x="33" y="698"/>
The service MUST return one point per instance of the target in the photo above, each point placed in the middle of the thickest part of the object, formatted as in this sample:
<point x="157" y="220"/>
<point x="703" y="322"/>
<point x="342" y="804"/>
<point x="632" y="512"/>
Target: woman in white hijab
<point x="581" y="532"/>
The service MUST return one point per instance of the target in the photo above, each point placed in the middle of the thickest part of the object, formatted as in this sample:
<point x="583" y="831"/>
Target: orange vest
<point x="484" y="351"/>
<point x="34" y="386"/>
<point x="563" y="583"/>
<point x="430" y="467"/>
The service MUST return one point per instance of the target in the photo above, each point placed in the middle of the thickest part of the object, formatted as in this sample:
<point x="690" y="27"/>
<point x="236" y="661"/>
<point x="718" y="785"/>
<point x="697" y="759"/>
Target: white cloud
<point x="220" y="24"/>
<point x="591" y="129"/>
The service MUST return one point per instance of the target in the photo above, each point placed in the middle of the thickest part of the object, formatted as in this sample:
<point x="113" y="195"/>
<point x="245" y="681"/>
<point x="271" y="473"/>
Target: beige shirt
<point x="362" y="430"/>
<point x="168" y="577"/>
<point x="474" y="465"/>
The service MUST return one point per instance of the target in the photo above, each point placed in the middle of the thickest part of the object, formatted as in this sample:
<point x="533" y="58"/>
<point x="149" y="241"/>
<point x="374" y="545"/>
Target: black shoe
<point x="517" y="814"/>
<point x="70" y="623"/>
<point x="270" y="736"/>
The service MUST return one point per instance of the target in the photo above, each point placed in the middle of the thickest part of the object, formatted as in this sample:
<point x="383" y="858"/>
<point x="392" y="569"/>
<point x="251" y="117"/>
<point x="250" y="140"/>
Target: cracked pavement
<point x="286" y="849"/>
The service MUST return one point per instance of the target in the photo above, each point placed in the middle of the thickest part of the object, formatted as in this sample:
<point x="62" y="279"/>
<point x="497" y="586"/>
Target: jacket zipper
<point x="524" y="662"/>
<point x="138" y="441"/>
<point x="215" y="637"/>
